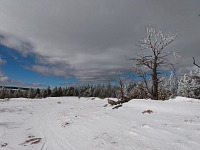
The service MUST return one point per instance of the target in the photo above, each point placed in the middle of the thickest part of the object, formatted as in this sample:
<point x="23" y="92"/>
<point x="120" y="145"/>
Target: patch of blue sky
<point x="16" y="69"/>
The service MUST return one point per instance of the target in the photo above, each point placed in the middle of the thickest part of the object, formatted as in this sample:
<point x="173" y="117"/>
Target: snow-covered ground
<point x="69" y="123"/>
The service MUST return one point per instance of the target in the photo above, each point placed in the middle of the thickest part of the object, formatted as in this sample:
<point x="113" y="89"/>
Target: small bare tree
<point x="121" y="92"/>
<point x="153" y="59"/>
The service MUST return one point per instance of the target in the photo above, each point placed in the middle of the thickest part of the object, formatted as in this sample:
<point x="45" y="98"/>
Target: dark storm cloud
<point x="95" y="36"/>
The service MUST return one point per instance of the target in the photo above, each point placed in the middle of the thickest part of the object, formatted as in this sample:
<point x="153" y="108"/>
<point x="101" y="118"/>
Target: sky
<point x="62" y="42"/>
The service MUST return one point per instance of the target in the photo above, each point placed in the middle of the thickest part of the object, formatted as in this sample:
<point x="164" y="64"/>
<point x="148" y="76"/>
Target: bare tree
<point x="153" y="59"/>
<point x="194" y="62"/>
<point x="121" y="91"/>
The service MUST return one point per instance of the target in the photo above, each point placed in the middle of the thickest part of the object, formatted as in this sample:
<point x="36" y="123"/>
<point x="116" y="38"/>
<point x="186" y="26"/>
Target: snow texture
<point x="70" y="123"/>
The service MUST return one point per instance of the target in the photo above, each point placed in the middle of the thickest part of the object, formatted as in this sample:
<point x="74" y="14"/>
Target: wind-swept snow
<point x="69" y="123"/>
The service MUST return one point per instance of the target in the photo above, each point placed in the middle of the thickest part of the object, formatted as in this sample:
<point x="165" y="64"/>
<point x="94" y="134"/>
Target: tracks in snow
<point x="48" y="126"/>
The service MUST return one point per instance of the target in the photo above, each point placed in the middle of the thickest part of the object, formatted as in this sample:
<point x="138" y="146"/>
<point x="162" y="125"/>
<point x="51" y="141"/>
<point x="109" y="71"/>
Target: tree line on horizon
<point x="149" y="68"/>
<point x="101" y="91"/>
<point x="187" y="85"/>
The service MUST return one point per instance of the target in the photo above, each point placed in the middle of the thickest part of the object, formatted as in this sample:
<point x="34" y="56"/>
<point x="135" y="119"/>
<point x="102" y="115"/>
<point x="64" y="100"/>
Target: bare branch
<point x="194" y="62"/>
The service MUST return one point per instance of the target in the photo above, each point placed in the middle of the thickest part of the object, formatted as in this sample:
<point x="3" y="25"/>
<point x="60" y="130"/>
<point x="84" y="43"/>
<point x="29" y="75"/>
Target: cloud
<point x="93" y="37"/>
<point x="24" y="47"/>
<point x="24" y="84"/>
<point x="55" y="71"/>
<point x="4" y="80"/>
<point x="2" y="61"/>
<point x="56" y="66"/>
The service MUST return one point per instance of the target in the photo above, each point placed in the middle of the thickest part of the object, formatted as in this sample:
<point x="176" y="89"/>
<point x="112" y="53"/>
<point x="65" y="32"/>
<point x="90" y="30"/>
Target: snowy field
<point x="69" y="123"/>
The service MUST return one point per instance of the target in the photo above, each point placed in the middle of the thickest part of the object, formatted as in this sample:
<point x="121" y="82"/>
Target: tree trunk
<point x="155" y="87"/>
<point x="155" y="81"/>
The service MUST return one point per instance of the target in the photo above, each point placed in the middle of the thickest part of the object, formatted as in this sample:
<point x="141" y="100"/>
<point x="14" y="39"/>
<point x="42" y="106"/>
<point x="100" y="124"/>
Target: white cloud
<point x="2" y="61"/>
<point x="4" y="80"/>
